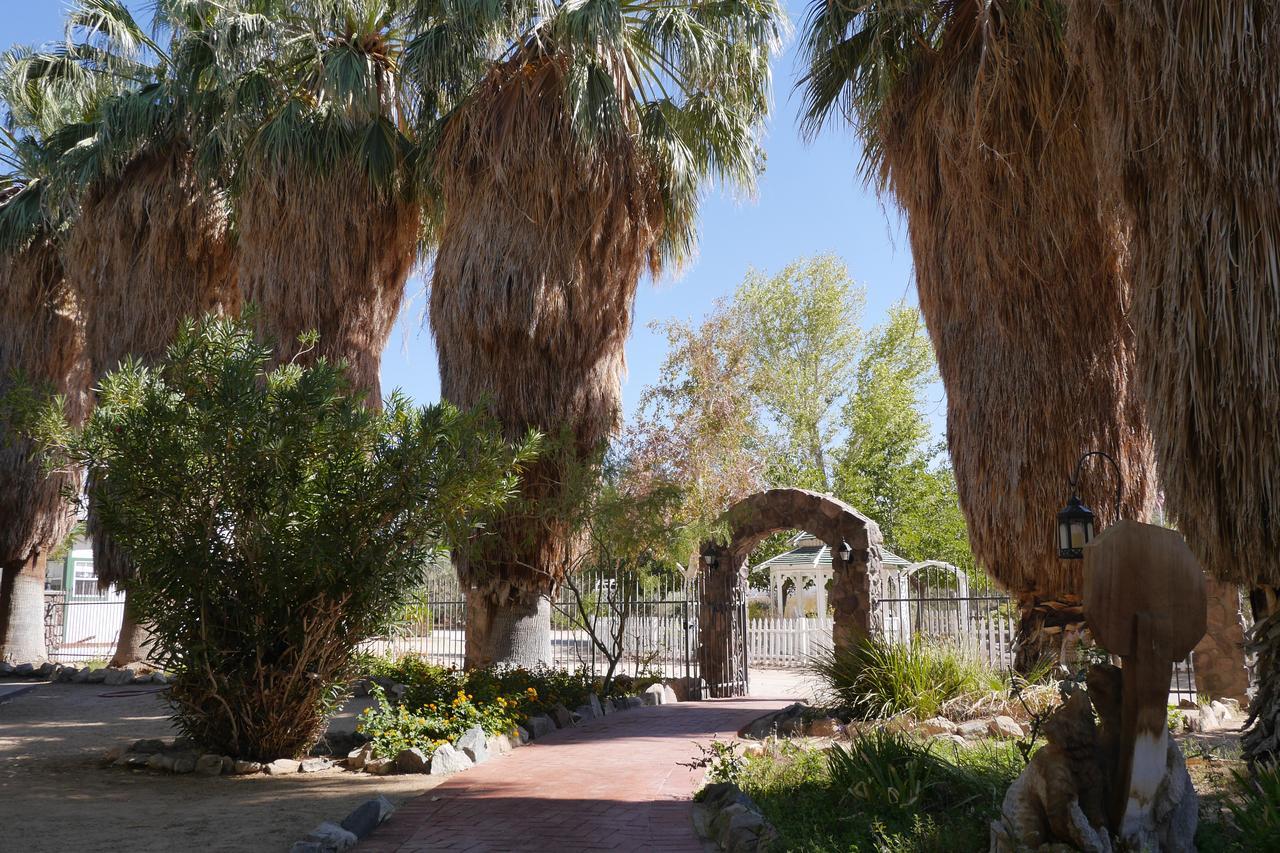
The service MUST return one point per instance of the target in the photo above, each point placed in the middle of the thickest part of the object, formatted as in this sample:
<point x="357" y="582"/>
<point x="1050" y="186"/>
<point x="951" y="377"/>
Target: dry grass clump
<point x="1021" y="276"/>
<point x="42" y="344"/>
<point x="328" y="253"/>
<point x="1186" y="120"/>
<point x="543" y="243"/>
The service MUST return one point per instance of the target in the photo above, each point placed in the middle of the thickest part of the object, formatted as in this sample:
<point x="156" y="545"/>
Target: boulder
<point x="1005" y="727"/>
<point x="82" y="676"/>
<point x="314" y="765"/>
<point x="633" y="701"/>
<point x="413" y="761"/>
<point x="937" y="726"/>
<point x="825" y="727"/>
<point x="357" y="758"/>
<point x="24" y="670"/>
<point x="331" y="838"/>
<point x="114" y="754"/>
<point x="97" y="676"/>
<point x="184" y="762"/>
<point x="654" y="694"/>
<point x="446" y="760"/>
<point x="539" y="726"/>
<point x="46" y="669"/>
<point x="6" y="668"/>
<point x="498" y="744"/>
<point x="560" y="714"/>
<point x="380" y="766"/>
<point x="367" y="816"/>
<point x="770" y="724"/>
<point x="147" y="746"/>
<point x="133" y="759"/>
<point x="688" y="689"/>
<point x="972" y="729"/>
<point x="521" y="737"/>
<point x="160" y="761"/>
<point x="474" y="745"/>
<point x="209" y="765"/>
<point x="244" y="768"/>
<point x="954" y="740"/>
<point x="596" y="708"/>
<point x="281" y="766"/>
<point x="116" y="676"/>
<point x="159" y="678"/>
<point x="584" y="712"/>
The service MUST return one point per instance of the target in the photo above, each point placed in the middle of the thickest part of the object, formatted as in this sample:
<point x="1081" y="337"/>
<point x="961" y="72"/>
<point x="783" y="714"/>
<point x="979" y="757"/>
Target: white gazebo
<point x="808" y="566"/>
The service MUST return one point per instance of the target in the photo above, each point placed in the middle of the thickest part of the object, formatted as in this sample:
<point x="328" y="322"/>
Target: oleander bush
<point x="276" y="521"/>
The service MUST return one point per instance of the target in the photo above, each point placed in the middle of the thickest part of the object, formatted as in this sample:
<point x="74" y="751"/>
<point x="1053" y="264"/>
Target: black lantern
<point x="1075" y="529"/>
<point x="1075" y="520"/>
<point x="710" y="559"/>
<point x="845" y="551"/>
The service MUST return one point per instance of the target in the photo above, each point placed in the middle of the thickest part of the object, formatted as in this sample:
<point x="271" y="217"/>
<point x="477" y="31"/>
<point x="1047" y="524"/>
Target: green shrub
<point x="276" y="522"/>
<point x="1256" y="808"/>
<point x="885" y="792"/>
<point x="394" y="727"/>
<point x="878" y="678"/>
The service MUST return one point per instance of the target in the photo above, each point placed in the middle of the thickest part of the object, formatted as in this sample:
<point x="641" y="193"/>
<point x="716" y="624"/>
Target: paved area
<point x="612" y="784"/>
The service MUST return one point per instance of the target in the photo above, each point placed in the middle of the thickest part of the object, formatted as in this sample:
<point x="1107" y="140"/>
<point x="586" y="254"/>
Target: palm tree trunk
<point x="543" y="244"/>
<point x="513" y="630"/>
<point x="134" y="645"/>
<point x="22" y="595"/>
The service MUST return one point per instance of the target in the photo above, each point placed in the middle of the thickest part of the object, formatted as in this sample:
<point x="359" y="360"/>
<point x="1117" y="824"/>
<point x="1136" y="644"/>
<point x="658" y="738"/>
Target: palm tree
<point x="326" y="207"/>
<point x="148" y="244"/>
<point x="974" y="123"/>
<point x="569" y="144"/>
<point x="42" y="347"/>
<point x="1188" y="130"/>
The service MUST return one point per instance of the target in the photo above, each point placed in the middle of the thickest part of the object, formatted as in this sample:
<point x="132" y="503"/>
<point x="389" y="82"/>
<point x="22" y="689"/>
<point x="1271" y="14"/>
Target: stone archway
<point x="722" y="612"/>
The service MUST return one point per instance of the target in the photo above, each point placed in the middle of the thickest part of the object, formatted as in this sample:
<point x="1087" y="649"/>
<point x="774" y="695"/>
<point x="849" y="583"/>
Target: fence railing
<point x="81" y="630"/>
<point x="786" y="642"/>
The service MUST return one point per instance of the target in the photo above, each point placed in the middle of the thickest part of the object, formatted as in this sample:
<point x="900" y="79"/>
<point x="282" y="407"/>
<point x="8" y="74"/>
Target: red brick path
<point x="612" y="784"/>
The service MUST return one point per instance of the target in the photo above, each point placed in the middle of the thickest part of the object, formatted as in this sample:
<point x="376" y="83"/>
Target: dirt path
<point x="51" y="740"/>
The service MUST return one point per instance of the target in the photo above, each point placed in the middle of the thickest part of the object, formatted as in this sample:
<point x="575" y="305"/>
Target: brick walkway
<point x="612" y="784"/>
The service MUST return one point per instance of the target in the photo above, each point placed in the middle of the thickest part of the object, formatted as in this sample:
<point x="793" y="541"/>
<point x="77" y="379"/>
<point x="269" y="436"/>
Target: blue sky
<point x="810" y="200"/>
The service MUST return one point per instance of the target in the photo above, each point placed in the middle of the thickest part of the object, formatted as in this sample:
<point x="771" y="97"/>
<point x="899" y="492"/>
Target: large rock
<point x="24" y="670"/>
<point x="314" y="765"/>
<point x="972" y="729"/>
<point x="688" y="689"/>
<point x="446" y="760"/>
<point x="413" y="761"/>
<point x="825" y="727"/>
<point x="97" y="676"/>
<point x="521" y="737"/>
<point x="184" y="762"/>
<point x="147" y="746"/>
<point x="380" y="766"/>
<point x="116" y="677"/>
<point x="282" y="766"/>
<point x="331" y="838"/>
<point x="160" y="761"/>
<point x="771" y="723"/>
<point x="561" y="715"/>
<point x="6" y="668"/>
<point x="654" y="694"/>
<point x="367" y="816"/>
<point x="474" y="745"/>
<point x="245" y="768"/>
<point x="357" y="758"/>
<point x="1005" y="727"/>
<point x="209" y="765"/>
<point x="539" y="726"/>
<point x="82" y="675"/>
<point x="498" y="744"/>
<point x="937" y="726"/>
<point x="584" y="712"/>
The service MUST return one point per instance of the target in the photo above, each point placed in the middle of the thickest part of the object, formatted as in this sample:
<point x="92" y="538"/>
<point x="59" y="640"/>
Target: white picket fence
<point x="786" y="642"/>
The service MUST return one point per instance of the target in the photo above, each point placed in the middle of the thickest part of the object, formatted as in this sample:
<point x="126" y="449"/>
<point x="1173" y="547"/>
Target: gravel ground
<point x="51" y="779"/>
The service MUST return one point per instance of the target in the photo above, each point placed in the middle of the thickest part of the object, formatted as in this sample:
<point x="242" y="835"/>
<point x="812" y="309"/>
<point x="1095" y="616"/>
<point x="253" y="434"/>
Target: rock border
<point x="731" y="820"/>
<point x="112" y="676"/>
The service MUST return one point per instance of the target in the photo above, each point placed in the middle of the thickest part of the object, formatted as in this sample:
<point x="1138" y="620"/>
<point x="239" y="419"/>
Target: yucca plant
<point x="567" y="145"/>
<point x="975" y="123"/>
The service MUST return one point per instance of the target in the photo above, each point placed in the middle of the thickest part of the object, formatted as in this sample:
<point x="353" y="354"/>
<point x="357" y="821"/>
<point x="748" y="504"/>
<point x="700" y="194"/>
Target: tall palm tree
<point x="974" y="123"/>
<point x="569" y="144"/>
<point x="325" y="204"/>
<point x="42" y="347"/>
<point x="1188" y="129"/>
<point x="149" y="242"/>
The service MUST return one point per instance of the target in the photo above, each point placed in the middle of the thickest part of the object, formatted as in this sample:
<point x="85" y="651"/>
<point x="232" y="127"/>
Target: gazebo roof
<point x="812" y="554"/>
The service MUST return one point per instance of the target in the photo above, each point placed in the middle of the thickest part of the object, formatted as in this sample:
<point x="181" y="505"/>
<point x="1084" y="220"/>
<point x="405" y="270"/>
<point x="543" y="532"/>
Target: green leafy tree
<point x="276" y="521"/>
<point x="802" y="326"/>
